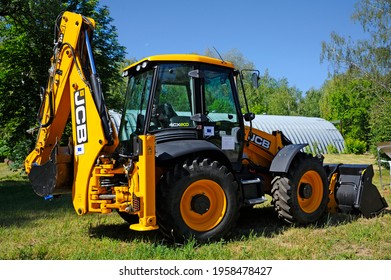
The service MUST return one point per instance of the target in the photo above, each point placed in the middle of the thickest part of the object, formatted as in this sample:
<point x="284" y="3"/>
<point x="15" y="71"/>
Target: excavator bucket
<point x="352" y="191"/>
<point x="54" y="177"/>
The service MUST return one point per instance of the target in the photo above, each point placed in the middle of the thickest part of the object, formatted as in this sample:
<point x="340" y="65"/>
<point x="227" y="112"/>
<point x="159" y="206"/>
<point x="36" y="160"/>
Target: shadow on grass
<point x="257" y="222"/>
<point x="19" y="205"/>
<point x="251" y="222"/>
<point x="122" y="232"/>
<point x="263" y="222"/>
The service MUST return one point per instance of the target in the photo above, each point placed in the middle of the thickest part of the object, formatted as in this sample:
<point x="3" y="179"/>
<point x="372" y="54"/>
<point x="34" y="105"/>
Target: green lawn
<point x="32" y="228"/>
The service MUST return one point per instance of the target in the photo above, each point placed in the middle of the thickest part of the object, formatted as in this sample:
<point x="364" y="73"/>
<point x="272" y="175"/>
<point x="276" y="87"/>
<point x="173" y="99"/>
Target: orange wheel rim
<point x="310" y="191"/>
<point x="203" y="205"/>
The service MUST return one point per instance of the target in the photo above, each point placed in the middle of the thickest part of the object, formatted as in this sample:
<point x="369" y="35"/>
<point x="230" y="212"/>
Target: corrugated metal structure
<point x="317" y="132"/>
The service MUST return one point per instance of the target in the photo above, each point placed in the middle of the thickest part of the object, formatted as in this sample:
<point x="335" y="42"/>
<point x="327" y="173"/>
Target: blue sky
<point x="281" y="36"/>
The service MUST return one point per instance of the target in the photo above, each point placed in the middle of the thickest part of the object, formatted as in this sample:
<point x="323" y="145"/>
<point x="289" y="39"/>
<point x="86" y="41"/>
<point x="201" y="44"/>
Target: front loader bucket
<point x="53" y="177"/>
<point x="353" y="190"/>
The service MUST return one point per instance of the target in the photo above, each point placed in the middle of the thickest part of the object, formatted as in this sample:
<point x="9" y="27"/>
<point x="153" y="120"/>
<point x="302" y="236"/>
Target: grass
<point x="31" y="228"/>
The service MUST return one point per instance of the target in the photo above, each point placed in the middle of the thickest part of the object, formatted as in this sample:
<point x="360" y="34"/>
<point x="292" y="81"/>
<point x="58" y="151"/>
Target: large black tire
<point x="198" y="199"/>
<point x="301" y="196"/>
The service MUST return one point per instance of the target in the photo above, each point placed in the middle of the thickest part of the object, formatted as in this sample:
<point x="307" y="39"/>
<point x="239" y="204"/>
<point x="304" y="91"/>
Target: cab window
<point x="172" y="104"/>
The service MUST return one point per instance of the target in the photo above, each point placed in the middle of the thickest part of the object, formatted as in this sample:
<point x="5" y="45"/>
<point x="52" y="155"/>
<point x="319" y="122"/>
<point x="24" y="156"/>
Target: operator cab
<point x="181" y="98"/>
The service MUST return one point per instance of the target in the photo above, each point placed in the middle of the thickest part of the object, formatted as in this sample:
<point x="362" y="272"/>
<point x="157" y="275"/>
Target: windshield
<point x="136" y="101"/>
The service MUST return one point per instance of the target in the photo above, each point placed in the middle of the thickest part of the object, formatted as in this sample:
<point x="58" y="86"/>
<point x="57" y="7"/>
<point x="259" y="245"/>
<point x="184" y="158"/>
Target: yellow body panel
<point x="262" y="147"/>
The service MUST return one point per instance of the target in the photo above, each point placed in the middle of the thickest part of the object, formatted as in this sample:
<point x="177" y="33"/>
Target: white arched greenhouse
<point x="318" y="133"/>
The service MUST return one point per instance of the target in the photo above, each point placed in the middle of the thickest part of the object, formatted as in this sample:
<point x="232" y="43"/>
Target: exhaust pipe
<point x="352" y="191"/>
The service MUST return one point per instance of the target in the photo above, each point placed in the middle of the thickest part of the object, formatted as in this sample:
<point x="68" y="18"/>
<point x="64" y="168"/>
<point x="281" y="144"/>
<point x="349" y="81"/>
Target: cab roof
<point x="183" y="58"/>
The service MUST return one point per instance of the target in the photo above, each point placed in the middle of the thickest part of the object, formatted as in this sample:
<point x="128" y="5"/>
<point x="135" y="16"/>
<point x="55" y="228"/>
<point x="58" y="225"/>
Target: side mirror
<point x="248" y="117"/>
<point x="255" y="79"/>
<point x="197" y="74"/>
<point x="200" y="118"/>
<point x="254" y="76"/>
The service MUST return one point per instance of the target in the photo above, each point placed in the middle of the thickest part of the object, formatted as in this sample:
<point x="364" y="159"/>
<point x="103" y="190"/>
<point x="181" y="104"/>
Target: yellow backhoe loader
<point x="185" y="157"/>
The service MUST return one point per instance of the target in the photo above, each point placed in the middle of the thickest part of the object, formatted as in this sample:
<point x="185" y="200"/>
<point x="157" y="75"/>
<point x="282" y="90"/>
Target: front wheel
<point x="197" y="199"/>
<point x="301" y="195"/>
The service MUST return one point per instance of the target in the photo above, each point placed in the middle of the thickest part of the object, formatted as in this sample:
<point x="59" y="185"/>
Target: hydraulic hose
<point x="97" y="94"/>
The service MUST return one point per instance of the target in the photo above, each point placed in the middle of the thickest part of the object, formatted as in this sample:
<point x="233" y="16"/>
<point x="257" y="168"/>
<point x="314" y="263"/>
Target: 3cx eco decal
<point x="184" y="124"/>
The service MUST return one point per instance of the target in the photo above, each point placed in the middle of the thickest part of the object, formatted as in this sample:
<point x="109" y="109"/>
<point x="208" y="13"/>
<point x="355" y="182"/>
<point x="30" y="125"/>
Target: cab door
<point x="221" y="106"/>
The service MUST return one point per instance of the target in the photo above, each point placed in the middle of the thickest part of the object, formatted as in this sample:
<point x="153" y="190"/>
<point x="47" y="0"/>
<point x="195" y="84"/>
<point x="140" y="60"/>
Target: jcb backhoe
<point x="184" y="158"/>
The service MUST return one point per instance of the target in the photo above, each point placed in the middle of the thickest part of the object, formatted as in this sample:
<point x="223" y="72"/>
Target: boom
<point x="73" y="89"/>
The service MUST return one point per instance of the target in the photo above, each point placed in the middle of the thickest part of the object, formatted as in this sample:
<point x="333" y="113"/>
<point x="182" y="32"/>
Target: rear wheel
<point x="197" y="199"/>
<point x="301" y="195"/>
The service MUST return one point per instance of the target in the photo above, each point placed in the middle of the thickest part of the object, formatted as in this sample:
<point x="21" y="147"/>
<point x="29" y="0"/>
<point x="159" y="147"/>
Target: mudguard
<point x="172" y="150"/>
<point x="284" y="157"/>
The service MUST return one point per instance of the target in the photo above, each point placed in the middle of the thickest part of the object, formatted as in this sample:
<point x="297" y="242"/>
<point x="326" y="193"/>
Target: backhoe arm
<point x="73" y="89"/>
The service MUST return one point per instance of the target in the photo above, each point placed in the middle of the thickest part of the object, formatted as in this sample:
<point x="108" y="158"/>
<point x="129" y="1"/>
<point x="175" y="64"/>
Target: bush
<point x="313" y="149"/>
<point x="4" y="150"/>
<point x="331" y="149"/>
<point x="16" y="153"/>
<point x="355" y="146"/>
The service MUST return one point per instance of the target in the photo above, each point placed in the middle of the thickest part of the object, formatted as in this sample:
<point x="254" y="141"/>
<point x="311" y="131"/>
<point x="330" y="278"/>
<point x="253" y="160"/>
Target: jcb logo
<point x="258" y="140"/>
<point x="81" y="117"/>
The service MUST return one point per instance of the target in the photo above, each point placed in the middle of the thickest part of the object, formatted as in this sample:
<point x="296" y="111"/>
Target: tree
<point x="345" y="99"/>
<point x="115" y="97"/>
<point x="26" y="38"/>
<point x="309" y="105"/>
<point x="284" y="99"/>
<point x="368" y="61"/>
<point x="380" y="122"/>
<point x="369" y="58"/>
<point x="273" y="96"/>
<point x="258" y="99"/>
<point x="234" y="56"/>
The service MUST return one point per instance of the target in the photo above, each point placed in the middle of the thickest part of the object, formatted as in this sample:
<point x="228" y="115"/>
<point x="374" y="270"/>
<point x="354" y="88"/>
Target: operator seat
<point x="164" y="113"/>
